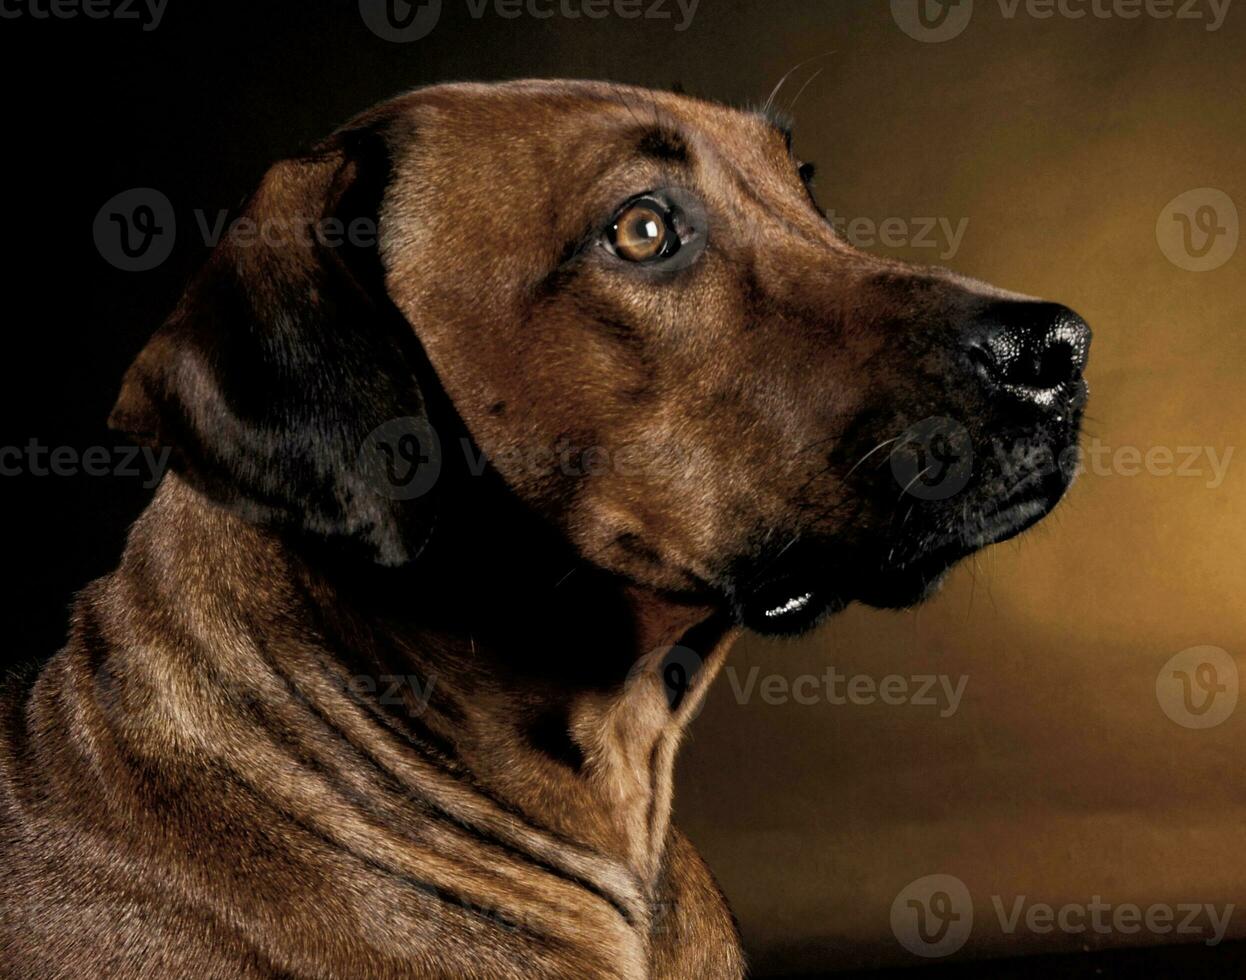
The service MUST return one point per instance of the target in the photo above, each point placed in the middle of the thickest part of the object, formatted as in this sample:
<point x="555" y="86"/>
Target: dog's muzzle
<point x="978" y="453"/>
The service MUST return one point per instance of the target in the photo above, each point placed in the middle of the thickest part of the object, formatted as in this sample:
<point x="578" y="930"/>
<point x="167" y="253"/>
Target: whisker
<point x="909" y="485"/>
<point x="792" y="106"/>
<point x="769" y="105"/>
<point x="885" y="442"/>
<point x="895" y="449"/>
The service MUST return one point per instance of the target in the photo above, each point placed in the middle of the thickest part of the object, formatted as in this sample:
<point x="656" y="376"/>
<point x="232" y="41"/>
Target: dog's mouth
<point x="789" y="604"/>
<point x="810" y="581"/>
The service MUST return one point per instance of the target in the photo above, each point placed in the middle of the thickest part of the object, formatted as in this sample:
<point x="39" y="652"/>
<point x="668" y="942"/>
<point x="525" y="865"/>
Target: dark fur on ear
<point x="285" y="353"/>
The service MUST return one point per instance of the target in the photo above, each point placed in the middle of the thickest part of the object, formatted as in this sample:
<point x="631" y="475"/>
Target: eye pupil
<point x="641" y="233"/>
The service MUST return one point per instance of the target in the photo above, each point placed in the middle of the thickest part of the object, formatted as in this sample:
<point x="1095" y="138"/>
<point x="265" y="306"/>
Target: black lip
<point x="882" y="583"/>
<point x="1001" y="524"/>
<point x="911" y="582"/>
<point x="801" y="568"/>
<point x="760" y="611"/>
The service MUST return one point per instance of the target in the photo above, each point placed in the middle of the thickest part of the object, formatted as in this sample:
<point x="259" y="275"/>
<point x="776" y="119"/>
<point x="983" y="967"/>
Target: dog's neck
<point x="556" y="693"/>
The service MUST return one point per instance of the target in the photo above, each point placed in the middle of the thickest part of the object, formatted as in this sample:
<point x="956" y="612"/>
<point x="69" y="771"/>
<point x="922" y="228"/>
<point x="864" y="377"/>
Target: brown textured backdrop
<point x="1059" y="777"/>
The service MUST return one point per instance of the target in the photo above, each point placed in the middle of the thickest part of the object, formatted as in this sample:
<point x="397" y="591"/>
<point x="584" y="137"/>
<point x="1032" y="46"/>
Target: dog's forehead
<point x="531" y="166"/>
<point x="585" y="118"/>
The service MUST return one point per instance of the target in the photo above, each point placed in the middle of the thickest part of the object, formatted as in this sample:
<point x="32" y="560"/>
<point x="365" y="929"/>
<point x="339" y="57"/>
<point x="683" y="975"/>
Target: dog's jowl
<point x="381" y="686"/>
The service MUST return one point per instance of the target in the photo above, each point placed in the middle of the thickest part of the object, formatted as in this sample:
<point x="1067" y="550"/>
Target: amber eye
<point x="641" y="233"/>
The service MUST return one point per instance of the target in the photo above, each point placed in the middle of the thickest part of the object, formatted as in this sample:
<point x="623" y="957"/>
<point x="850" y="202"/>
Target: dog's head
<point x="641" y="317"/>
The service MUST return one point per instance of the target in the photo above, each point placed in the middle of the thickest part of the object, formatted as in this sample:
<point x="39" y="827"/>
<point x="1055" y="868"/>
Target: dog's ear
<point x="285" y="382"/>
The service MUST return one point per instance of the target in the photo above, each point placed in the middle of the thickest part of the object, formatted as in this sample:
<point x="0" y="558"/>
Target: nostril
<point x="983" y="361"/>
<point x="1055" y="365"/>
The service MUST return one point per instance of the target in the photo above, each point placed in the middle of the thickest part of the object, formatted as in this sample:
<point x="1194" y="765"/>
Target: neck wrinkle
<point x="538" y="714"/>
<point x="588" y="761"/>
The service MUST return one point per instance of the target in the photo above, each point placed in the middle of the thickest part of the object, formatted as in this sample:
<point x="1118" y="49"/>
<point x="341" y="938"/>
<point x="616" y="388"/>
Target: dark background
<point x="1059" y="140"/>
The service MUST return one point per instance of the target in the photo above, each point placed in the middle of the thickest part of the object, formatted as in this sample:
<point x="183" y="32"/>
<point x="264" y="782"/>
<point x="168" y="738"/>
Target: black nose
<point x="1030" y="350"/>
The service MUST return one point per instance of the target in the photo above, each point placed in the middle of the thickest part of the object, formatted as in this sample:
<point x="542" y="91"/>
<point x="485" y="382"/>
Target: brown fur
<point x="220" y="776"/>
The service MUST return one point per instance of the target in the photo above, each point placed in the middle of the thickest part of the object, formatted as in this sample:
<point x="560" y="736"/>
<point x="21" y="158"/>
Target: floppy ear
<point x="284" y="357"/>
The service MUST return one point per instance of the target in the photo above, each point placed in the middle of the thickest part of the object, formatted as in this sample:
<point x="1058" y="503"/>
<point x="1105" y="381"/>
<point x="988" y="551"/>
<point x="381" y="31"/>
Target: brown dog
<point x="362" y="702"/>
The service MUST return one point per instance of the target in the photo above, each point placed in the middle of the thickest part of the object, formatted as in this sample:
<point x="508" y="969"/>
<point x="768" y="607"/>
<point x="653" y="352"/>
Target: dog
<point x="463" y="516"/>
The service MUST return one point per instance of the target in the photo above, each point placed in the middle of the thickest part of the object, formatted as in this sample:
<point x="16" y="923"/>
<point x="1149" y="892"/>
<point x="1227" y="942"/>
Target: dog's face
<point x="643" y="318"/>
<point x="644" y="321"/>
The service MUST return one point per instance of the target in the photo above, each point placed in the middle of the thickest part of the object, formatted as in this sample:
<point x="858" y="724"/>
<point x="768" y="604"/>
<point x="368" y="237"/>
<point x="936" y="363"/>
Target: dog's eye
<point x="642" y="232"/>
